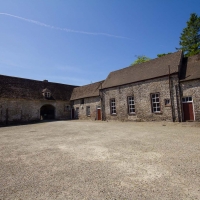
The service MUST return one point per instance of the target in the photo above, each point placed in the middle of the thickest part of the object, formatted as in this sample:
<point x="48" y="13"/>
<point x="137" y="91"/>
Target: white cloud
<point x="63" y="29"/>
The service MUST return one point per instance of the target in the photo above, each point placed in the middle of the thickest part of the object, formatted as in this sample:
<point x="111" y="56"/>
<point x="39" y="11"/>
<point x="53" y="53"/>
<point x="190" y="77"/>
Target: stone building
<point x="190" y="88"/>
<point x="148" y="91"/>
<point x="165" y="88"/>
<point x="87" y="102"/>
<point x="24" y="100"/>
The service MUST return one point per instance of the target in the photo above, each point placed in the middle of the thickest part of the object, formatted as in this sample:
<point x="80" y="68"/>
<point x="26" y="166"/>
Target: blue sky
<point x="78" y="42"/>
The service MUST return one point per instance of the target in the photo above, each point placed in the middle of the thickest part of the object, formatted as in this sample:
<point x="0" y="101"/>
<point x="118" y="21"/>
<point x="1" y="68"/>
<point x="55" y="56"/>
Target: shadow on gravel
<point x="30" y="122"/>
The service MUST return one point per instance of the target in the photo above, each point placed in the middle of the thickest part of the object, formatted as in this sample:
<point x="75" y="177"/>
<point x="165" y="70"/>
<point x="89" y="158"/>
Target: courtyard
<point x="100" y="160"/>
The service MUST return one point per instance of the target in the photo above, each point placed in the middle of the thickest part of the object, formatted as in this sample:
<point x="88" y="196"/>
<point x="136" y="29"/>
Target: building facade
<point x="87" y="102"/>
<point x="144" y="92"/>
<point x="24" y="100"/>
<point x="190" y="88"/>
<point x="165" y="88"/>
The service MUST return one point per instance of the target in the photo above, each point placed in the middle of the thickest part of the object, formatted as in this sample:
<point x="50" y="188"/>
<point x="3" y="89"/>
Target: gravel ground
<point x="100" y="160"/>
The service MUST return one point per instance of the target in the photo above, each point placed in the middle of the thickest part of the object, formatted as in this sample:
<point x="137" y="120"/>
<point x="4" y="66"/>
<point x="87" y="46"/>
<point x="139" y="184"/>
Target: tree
<point x="190" y="37"/>
<point x="140" y="59"/>
<point x="162" y="54"/>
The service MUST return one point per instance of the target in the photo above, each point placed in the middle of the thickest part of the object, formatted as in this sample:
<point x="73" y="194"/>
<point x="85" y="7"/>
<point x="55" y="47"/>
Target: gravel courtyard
<point x="100" y="160"/>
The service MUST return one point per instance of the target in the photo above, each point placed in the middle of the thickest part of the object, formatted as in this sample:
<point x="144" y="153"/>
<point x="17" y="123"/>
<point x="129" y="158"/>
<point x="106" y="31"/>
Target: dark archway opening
<point x="47" y="112"/>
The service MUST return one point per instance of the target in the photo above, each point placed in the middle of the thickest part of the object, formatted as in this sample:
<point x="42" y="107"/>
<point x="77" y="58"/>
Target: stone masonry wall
<point x="142" y="95"/>
<point x="20" y="110"/>
<point x="93" y="102"/>
<point x="192" y="88"/>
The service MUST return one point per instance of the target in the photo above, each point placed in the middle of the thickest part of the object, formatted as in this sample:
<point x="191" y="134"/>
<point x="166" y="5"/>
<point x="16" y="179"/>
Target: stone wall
<point x="142" y="95"/>
<point x="24" y="111"/>
<point x="93" y="102"/>
<point x="192" y="88"/>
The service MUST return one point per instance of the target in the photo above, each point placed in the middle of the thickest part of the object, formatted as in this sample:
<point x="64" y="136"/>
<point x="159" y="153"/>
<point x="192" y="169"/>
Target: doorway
<point x="188" y="111"/>
<point x="47" y="112"/>
<point x="98" y="113"/>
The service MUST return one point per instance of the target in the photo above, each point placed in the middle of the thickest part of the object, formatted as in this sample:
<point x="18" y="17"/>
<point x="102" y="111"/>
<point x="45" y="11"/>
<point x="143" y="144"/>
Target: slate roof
<point x="20" y="88"/>
<point x="91" y="90"/>
<point x="191" y="68"/>
<point x="151" y="69"/>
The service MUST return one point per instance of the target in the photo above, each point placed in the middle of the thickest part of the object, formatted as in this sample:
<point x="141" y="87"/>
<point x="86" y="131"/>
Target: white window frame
<point x="187" y="99"/>
<point x="131" y="105"/>
<point x="155" y="103"/>
<point x="113" y="107"/>
<point x="47" y="94"/>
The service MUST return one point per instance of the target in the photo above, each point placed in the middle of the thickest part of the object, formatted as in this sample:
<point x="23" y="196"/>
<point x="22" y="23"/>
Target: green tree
<point x="140" y="59"/>
<point x="190" y="37"/>
<point x="162" y="54"/>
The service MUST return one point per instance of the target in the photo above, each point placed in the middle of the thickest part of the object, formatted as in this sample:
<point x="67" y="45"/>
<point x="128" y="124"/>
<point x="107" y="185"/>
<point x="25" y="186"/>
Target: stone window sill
<point x="158" y="113"/>
<point x="131" y="114"/>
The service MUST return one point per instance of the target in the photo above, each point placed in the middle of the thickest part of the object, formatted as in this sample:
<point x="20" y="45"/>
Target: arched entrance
<point x="47" y="112"/>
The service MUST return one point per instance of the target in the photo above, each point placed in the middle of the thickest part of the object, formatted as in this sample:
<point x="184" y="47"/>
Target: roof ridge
<point x="28" y="79"/>
<point x="137" y="65"/>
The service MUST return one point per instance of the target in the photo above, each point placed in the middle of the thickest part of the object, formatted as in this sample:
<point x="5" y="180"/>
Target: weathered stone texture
<point x="192" y="88"/>
<point x="142" y="95"/>
<point x="93" y="102"/>
<point x="20" y="110"/>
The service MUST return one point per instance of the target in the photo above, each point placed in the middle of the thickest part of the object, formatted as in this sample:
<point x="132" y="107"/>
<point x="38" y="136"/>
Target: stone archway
<point x="47" y="112"/>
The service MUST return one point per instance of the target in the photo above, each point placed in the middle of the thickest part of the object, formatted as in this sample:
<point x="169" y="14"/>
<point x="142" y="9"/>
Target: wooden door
<point x="188" y="111"/>
<point x="99" y="114"/>
<point x="72" y="110"/>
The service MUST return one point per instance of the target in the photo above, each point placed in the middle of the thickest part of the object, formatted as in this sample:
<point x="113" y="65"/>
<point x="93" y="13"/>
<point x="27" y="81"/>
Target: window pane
<point x="155" y="102"/>
<point x="131" y="105"/>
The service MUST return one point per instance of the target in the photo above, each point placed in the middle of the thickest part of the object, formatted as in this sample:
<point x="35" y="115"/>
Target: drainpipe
<point x="101" y="98"/>
<point x="180" y="99"/>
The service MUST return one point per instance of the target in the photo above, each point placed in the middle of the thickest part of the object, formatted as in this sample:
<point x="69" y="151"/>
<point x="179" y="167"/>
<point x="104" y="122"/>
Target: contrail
<point x="62" y="29"/>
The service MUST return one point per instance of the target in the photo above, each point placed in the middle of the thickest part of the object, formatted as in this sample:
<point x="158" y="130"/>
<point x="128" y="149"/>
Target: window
<point x="47" y="94"/>
<point x="112" y="107"/>
<point x="82" y="101"/>
<point x="67" y="108"/>
<point x="167" y="102"/>
<point x="155" y="102"/>
<point x="77" y="113"/>
<point x="88" y="110"/>
<point x="186" y="99"/>
<point x="131" y="105"/>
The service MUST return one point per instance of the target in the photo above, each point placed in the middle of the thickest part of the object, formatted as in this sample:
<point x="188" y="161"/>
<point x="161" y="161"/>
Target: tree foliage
<point x="140" y="59"/>
<point x="190" y="37"/>
<point x="162" y="54"/>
